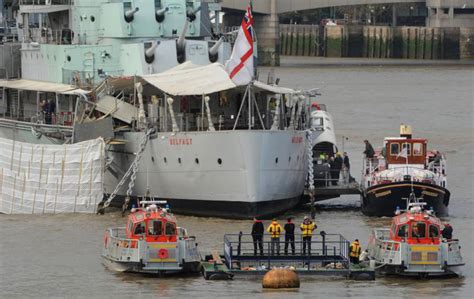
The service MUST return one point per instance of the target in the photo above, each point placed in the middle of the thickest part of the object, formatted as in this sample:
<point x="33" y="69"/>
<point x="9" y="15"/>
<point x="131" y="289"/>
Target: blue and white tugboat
<point x="151" y="243"/>
<point x="414" y="245"/>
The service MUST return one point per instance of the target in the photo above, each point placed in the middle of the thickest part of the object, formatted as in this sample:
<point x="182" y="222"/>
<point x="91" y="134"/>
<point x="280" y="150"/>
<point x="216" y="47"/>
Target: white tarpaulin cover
<point x="192" y="80"/>
<point x="32" y="85"/>
<point x="39" y="179"/>
<point x="274" y="88"/>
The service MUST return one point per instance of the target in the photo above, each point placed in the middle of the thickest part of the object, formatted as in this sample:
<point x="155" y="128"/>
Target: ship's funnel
<point x="181" y="43"/>
<point x="130" y="13"/>
<point x="214" y="50"/>
<point x="150" y="52"/>
<point x="405" y="131"/>
<point x="160" y="14"/>
<point x="191" y="14"/>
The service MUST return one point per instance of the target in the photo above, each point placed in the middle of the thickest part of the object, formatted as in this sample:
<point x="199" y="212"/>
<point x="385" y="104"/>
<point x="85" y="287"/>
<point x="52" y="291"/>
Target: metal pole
<point x="250" y="106"/>
<point x="240" y="109"/>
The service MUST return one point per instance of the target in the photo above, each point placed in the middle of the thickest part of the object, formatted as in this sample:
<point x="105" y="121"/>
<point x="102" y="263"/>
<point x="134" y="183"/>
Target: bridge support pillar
<point x="267" y="28"/>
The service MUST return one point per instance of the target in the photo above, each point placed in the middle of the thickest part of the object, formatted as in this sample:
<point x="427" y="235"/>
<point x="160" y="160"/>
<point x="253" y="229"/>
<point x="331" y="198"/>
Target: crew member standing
<point x="354" y="252"/>
<point x="307" y="228"/>
<point x="447" y="231"/>
<point x="275" y="230"/>
<point x="338" y="161"/>
<point x="290" y="236"/>
<point x="257" y="235"/>
<point x="347" y="169"/>
<point x="369" y="150"/>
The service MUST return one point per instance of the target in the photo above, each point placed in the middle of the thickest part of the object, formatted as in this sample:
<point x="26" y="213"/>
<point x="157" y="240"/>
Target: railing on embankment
<point x="377" y="41"/>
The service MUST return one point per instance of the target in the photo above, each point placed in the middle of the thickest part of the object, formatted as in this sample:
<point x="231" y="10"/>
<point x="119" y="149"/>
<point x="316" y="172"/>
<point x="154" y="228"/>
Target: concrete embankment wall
<point x="377" y="42"/>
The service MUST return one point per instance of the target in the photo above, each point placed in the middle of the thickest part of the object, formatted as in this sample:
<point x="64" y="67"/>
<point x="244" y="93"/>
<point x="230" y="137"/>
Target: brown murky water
<point x="59" y="256"/>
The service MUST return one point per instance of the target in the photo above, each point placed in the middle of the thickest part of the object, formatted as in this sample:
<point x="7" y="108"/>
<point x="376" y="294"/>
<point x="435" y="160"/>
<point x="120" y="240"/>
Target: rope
<point x="309" y="148"/>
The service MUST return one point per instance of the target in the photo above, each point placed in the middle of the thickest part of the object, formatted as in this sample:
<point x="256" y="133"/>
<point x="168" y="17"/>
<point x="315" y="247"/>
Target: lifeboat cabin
<point x="414" y="245"/>
<point x="150" y="243"/>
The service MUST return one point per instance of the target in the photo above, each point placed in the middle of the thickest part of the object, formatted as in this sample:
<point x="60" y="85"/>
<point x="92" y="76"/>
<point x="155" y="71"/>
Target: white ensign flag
<point x="240" y="66"/>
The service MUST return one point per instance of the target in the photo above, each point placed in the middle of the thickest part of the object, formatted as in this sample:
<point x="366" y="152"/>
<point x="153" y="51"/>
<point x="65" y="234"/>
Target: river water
<point x="59" y="256"/>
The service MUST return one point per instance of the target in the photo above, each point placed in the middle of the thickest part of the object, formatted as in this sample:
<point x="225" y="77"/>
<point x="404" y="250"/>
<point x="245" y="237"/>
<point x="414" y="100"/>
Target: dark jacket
<point x="447" y="232"/>
<point x="289" y="228"/>
<point x="369" y="150"/>
<point x="338" y="163"/>
<point x="347" y="164"/>
<point x="257" y="228"/>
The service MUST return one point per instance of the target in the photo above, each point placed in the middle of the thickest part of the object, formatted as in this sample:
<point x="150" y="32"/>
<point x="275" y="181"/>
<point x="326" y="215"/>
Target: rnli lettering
<point x="181" y="141"/>
<point x="297" y="139"/>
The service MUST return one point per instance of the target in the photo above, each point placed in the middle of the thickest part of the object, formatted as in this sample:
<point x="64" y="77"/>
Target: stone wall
<point x="377" y="42"/>
<point x="466" y="43"/>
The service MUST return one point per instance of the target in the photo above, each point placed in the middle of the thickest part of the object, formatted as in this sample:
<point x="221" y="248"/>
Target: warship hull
<point x="231" y="174"/>
<point x="33" y="133"/>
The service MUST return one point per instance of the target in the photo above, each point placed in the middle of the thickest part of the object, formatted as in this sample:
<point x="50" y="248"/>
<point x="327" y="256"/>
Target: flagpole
<point x="255" y="50"/>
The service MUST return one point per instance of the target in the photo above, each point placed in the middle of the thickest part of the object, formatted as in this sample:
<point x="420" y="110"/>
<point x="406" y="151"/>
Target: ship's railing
<point x="327" y="248"/>
<point x="117" y="247"/>
<point x="45" y="2"/>
<point x="438" y="167"/>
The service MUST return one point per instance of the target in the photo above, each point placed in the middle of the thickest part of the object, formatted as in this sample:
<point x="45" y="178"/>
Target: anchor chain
<point x="309" y="142"/>
<point x="132" y="173"/>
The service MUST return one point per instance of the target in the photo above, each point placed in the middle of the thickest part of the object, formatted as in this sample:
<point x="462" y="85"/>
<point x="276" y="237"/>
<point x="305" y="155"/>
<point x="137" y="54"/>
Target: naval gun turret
<point x="160" y="14"/>
<point x="116" y="38"/>
<point x="130" y="13"/>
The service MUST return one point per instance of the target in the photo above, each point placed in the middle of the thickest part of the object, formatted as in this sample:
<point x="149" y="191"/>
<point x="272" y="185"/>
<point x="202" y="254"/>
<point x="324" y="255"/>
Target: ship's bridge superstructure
<point x="80" y="42"/>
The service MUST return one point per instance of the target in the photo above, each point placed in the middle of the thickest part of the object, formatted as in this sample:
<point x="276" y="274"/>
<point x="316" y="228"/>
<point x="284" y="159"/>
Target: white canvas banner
<point x="51" y="179"/>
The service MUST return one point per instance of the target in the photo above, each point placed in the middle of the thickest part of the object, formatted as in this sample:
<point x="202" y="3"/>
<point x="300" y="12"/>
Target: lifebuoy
<point x="315" y="105"/>
<point x="162" y="253"/>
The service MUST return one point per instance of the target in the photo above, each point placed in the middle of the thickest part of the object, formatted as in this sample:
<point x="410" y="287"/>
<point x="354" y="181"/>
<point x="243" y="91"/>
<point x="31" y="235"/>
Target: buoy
<point x="281" y="279"/>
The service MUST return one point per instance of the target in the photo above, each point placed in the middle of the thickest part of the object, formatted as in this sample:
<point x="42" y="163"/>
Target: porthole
<point x="68" y="58"/>
<point x="289" y="159"/>
<point x="165" y="160"/>
<point x="179" y="160"/>
<point x="196" y="160"/>
<point x="153" y="159"/>
<point x="276" y="160"/>
<point x="219" y="161"/>
<point x="92" y="19"/>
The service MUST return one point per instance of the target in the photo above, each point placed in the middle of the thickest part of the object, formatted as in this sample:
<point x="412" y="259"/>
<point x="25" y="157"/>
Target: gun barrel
<point x="150" y="52"/>
<point x="182" y="37"/>
<point x="214" y="49"/>
<point x="161" y="12"/>
<point x="130" y="13"/>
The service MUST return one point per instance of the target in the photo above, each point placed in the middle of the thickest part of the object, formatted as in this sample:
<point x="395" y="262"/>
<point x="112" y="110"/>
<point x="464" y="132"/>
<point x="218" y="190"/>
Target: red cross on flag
<point x="240" y="65"/>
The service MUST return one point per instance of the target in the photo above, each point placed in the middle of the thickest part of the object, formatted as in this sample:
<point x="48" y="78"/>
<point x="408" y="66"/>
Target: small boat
<point x="404" y="166"/>
<point x="414" y="245"/>
<point x="151" y="243"/>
